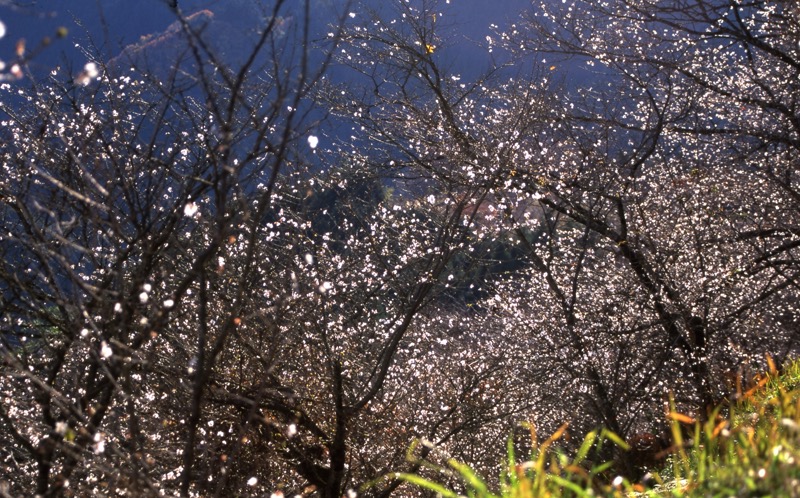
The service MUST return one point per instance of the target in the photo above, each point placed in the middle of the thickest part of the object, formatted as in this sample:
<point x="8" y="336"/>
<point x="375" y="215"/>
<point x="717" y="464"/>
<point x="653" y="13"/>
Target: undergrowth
<point x="753" y="451"/>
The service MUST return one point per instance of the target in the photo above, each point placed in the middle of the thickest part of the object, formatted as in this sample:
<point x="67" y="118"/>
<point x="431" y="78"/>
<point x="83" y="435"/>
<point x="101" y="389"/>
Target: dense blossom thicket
<point x="232" y="280"/>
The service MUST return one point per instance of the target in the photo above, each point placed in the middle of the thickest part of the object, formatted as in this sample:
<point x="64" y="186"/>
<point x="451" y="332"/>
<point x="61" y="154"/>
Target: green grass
<point x="754" y="451"/>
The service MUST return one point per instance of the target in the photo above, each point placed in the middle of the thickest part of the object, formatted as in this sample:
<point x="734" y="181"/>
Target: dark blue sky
<point x="112" y="24"/>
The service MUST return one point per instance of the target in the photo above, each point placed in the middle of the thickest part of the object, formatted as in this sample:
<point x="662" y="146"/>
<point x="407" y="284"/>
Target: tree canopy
<point x="274" y="271"/>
